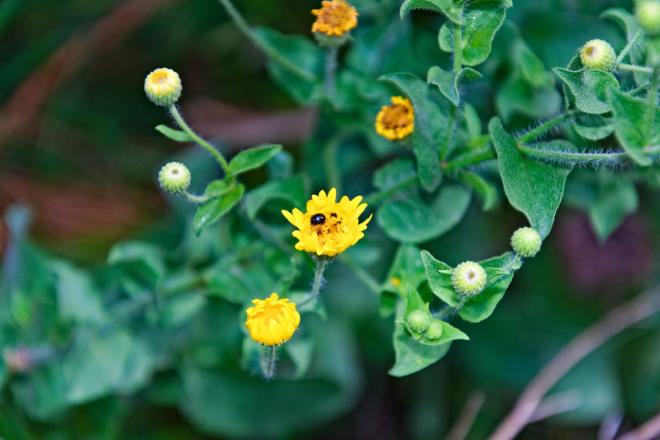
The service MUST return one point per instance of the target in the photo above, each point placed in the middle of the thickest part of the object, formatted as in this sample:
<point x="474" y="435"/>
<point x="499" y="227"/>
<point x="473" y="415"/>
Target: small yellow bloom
<point x="335" y="18"/>
<point x="163" y="86"/>
<point x="396" y="121"/>
<point x="328" y="227"/>
<point x="395" y="281"/>
<point x="272" y="321"/>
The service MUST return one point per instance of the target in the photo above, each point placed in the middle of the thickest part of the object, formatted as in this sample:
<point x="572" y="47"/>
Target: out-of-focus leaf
<point x="448" y="83"/>
<point x="140" y="258"/>
<point x="291" y="190"/>
<point x="481" y="186"/>
<point x="445" y="7"/>
<point x="430" y="124"/>
<point x="252" y="158"/>
<point x="412" y="220"/>
<point x="78" y="300"/>
<point x="594" y="128"/>
<point x="213" y="210"/>
<point x="629" y="120"/>
<point x="532" y="187"/>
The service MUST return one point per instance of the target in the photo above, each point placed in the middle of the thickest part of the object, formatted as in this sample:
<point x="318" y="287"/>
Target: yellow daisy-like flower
<point x="328" y="227"/>
<point x="335" y="18"/>
<point x="272" y="321"/>
<point x="163" y="86"/>
<point x="396" y="121"/>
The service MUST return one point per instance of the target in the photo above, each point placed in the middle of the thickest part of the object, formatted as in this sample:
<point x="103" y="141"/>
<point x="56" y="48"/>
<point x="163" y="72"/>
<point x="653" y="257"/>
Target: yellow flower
<point x="335" y="18"/>
<point x="396" y="121"/>
<point x="328" y="227"/>
<point x="272" y="321"/>
<point x="163" y="86"/>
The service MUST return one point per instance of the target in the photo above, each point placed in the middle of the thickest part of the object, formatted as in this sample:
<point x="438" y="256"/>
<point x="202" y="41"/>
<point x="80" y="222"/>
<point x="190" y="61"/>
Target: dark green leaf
<point x="448" y="83"/>
<point x="411" y="220"/>
<point x="175" y="135"/>
<point x="485" y="189"/>
<point x="589" y="88"/>
<point x="630" y="114"/>
<point x="615" y="201"/>
<point x="442" y="6"/>
<point x="211" y="211"/>
<point x="532" y="187"/>
<point x="291" y="190"/>
<point x="252" y="158"/>
<point x="430" y="124"/>
<point x="594" y="128"/>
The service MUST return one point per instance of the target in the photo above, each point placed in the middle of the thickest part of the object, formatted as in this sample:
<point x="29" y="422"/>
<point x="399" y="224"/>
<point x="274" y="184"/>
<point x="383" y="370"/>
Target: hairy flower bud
<point x="434" y="331"/>
<point x="648" y="15"/>
<point x="526" y="242"/>
<point x="163" y="87"/>
<point x="419" y="320"/>
<point x="598" y="54"/>
<point x="469" y="278"/>
<point x="174" y="177"/>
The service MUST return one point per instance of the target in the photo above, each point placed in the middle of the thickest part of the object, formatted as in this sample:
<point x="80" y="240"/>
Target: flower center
<point x="397" y="116"/>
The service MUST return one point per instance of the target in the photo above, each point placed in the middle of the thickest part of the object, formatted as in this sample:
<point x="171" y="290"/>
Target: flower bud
<point x="174" y="177"/>
<point x="163" y="87"/>
<point x="434" y="332"/>
<point x="469" y="278"/>
<point x="419" y="320"/>
<point x="648" y="16"/>
<point x="598" y="54"/>
<point x="526" y="242"/>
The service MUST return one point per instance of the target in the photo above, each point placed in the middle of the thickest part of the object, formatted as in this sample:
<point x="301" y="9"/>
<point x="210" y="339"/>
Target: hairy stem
<point x="194" y="198"/>
<point x="269" y="361"/>
<point x="272" y="53"/>
<point x="317" y="282"/>
<point x="634" y="68"/>
<point x="546" y="126"/>
<point x="628" y="47"/>
<point x="472" y="158"/>
<point x="576" y="158"/>
<point x="198" y="139"/>
<point x="330" y="71"/>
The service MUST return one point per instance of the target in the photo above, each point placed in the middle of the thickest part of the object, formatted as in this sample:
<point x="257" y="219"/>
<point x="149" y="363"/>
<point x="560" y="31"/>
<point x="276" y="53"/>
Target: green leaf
<point x="407" y="266"/>
<point x="217" y="188"/>
<point x="211" y="211"/>
<point x="518" y="95"/>
<point x="291" y="190"/>
<point x="415" y="302"/>
<point x="472" y="121"/>
<point x="430" y="124"/>
<point x="173" y="134"/>
<point x="412" y="220"/>
<point x="615" y="201"/>
<point x="413" y="355"/>
<point x="594" y="128"/>
<point x="77" y="298"/>
<point x="485" y="189"/>
<point x="589" y="88"/>
<point x="479" y="307"/>
<point x="629" y="117"/>
<point x="252" y="158"/>
<point x="445" y="7"/>
<point x="448" y="83"/>
<point x="481" y="25"/>
<point x="532" y="187"/>
<point x="530" y="65"/>
<point x="295" y="63"/>
<point x="142" y="259"/>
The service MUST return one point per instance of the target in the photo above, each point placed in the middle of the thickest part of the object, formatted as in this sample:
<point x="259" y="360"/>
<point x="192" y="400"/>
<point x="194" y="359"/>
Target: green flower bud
<point x="174" y="177"/>
<point x="598" y="54"/>
<point x="469" y="278"/>
<point x="434" y="332"/>
<point x="163" y="87"/>
<point x="419" y="320"/>
<point x="648" y="16"/>
<point x="526" y="242"/>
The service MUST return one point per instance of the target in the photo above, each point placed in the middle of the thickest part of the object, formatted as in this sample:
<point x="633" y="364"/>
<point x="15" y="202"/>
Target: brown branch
<point x="468" y="414"/>
<point x="622" y="317"/>
<point x="648" y="431"/>
<point x="25" y="104"/>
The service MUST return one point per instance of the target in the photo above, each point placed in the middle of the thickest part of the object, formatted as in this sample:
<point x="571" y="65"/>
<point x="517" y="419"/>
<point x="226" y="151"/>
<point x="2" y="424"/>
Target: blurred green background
<point x="77" y="146"/>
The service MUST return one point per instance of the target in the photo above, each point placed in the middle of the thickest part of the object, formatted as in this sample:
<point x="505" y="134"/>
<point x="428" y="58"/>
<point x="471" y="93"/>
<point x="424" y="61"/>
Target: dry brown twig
<point x="622" y="317"/>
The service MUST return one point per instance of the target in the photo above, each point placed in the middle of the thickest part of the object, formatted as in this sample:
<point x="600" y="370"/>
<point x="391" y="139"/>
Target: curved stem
<point x="546" y="126"/>
<point x="273" y="54"/>
<point x="199" y="140"/>
<point x="469" y="159"/>
<point x="628" y="47"/>
<point x="194" y="198"/>
<point x="317" y="283"/>
<point x="619" y="319"/>
<point x="581" y="158"/>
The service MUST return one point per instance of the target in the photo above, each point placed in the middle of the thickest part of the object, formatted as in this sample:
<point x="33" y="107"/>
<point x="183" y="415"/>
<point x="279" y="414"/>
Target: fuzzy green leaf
<point x="630" y="114"/>
<point x="412" y="220"/>
<point x="594" y="128"/>
<point x="448" y="83"/>
<point x="430" y="123"/>
<point x="485" y="189"/>
<point x="252" y="158"/>
<point x="173" y="134"/>
<point x="445" y="7"/>
<point x="211" y="211"/>
<point x="589" y="88"/>
<point x="481" y="25"/>
<point x="532" y="187"/>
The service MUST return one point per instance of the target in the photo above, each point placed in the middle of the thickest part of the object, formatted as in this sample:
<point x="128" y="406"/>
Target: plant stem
<point x="580" y="158"/>
<point x="469" y="159"/>
<point x="317" y="282"/>
<point x="330" y="71"/>
<point x="269" y="361"/>
<point x="628" y="47"/>
<point x="194" y="198"/>
<point x="272" y="53"/>
<point x="634" y="68"/>
<point x="199" y="140"/>
<point x="546" y="126"/>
